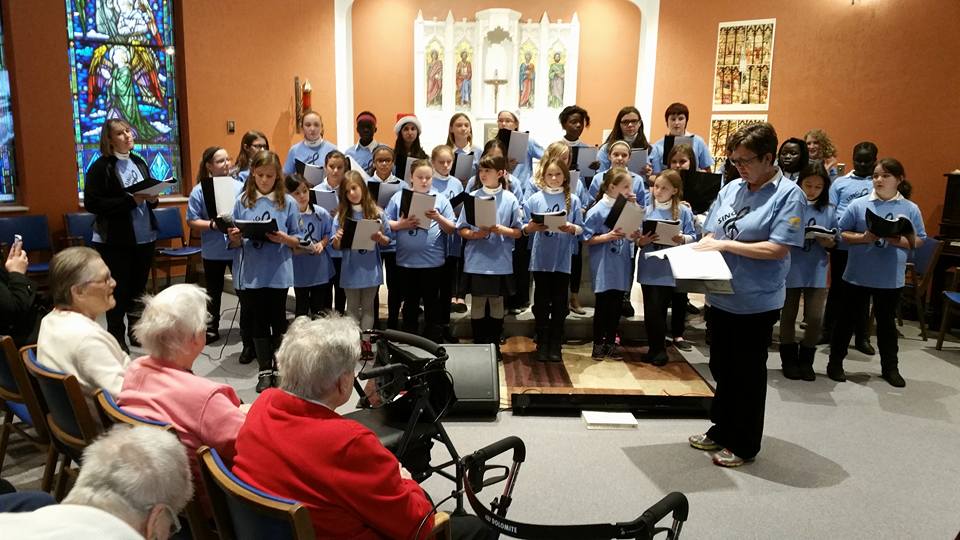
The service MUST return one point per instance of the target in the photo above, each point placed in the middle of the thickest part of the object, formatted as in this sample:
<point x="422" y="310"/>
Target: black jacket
<point x="104" y="196"/>
<point x="17" y="295"/>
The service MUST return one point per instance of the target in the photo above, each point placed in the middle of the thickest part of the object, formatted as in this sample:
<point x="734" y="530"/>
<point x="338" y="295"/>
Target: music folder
<point x="700" y="189"/>
<point x="326" y="199"/>
<point x="219" y="198"/>
<point x="811" y="232"/>
<point x="516" y="143"/>
<point x="402" y="170"/>
<point x="581" y="157"/>
<point x="669" y="141"/>
<point x="417" y="204"/>
<point x="382" y="192"/>
<point x="463" y="166"/>
<point x="256" y="230"/>
<point x="625" y="215"/>
<point x="697" y="271"/>
<point x="354" y="166"/>
<point x="891" y="228"/>
<point x="358" y="234"/>
<point x="665" y="229"/>
<point x="150" y="186"/>
<point x="574" y="182"/>
<point x="553" y="220"/>
<point x="638" y="160"/>
<point x="314" y="175"/>
<point x="481" y="211"/>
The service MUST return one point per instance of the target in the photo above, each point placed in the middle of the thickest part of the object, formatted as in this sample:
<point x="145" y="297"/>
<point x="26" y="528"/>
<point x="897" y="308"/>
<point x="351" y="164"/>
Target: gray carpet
<point x="854" y="460"/>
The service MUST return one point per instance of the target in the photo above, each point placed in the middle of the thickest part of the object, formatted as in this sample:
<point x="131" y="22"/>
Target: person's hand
<point x="645" y="239"/>
<point x="535" y="227"/>
<point x="338" y="235"/>
<point x="709" y="243"/>
<point x="678" y="239"/>
<point x="481" y="233"/>
<point x="379" y="237"/>
<point x="647" y="170"/>
<point x="139" y="198"/>
<point x="595" y="165"/>
<point x="432" y="214"/>
<point x="317" y="248"/>
<point x="233" y="234"/>
<point x="868" y="237"/>
<point x="632" y="197"/>
<point x="408" y="222"/>
<point x="277" y="237"/>
<point x="17" y="259"/>
<point x="826" y="242"/>
<point x="615" y="234"/>
<point x="568" y="228"/>
<point x="404" y="473"/>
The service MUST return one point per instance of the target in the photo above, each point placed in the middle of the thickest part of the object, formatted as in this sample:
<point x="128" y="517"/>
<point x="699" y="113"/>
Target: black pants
<point x="449" y="279"/>
<point x="394" y="295"/>
<point x="130" y="268"/>
<point x="656" y="299"/>
<point x="837" y="300"/>
<point x="521" y="274"/>
<point x="551" y="299"/>
<point x="885" y="303"/>
<point x="268" y="312"/>
<point x="313" y="301"/>
<point x="576" y="270"/>
<point x="213" y="271"/>
<point x="606" y="316"/>
<point x="339" y="297"/>
<point x="738" y="363"/>
<point x="422" y="285"/>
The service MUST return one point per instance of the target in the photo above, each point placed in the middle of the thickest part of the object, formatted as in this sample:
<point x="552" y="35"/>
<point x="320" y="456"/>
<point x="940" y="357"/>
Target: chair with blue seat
<point x="22" y="410"/>
<point x="79" y="227"/>
<point x="951" y="305"/>
<point x="35" y="232"/>
<point x="69" y="418"/>
<point x="170" y="230"/>
<point x="919" y="276"/>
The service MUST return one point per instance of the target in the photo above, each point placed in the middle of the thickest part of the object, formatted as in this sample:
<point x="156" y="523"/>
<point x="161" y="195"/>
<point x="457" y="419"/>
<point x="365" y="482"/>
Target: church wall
<point x="383" y="53"/>
<point x="876" y="70"/>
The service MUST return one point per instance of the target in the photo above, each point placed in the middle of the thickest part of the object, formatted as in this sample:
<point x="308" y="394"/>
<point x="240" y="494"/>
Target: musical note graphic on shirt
<point x="808" y="243"/>
<point x="730" y="229"/>
<point x="310" y="229"/>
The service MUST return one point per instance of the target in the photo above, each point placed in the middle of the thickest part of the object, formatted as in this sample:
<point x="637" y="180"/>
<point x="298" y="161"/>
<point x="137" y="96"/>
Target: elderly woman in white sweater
<point x="70" y="338"/>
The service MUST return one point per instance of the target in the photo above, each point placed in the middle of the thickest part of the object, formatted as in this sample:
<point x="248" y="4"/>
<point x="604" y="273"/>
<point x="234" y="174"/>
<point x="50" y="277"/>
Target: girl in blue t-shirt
<point x="383" y="173"/>
<point x="654" y="274"/>
<point x="449" y="186"/>
<point x="264" y="269"/>
<point x="550" y="255"/>
<point x="875" y="268"/>
<point x="361" y="270"/>
<point x="312" y="150"/>
<point x="807" y="276"/>
<point x="488" y="254"/>
<point x="335" y="165"/>
<point x="421" y="253"/>
<point x="611" y="263"/>
<point x="312" y="268"/>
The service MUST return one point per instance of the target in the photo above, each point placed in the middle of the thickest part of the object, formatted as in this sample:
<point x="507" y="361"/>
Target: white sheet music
<point x="631" y="218"/>
<point x="519" y="140"/>
<point x="485" y="211"/>
<point x="689" y="263"/>
<point x="225" y="194"/>
<point x="313" y="174"/>
<point x="363" y="236"/>
<point x="420" y="204"/>
<point x="638" y="160"/>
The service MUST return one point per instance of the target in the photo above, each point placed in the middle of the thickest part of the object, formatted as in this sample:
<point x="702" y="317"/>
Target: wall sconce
<point x="302" y="97"/>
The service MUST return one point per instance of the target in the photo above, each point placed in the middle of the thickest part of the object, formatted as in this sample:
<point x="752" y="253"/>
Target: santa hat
<point x="404" y="119"/>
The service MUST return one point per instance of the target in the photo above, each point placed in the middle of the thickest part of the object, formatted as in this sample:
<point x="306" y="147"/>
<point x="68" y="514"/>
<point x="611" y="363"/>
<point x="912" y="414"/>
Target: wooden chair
<point x="111" y="414"/>
<point x="920" y="270"/>
<point x="19" y="401"/>
<point x="243" y="512"/>
<point x="170" y="229"/>
<point x="79" y="227"/>
<point x="71" y="423"/>
<point x="951" y="305"/>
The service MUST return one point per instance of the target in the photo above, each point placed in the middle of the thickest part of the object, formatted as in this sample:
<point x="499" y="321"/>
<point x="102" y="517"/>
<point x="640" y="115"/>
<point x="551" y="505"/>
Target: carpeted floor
<point x="853" y="460"/>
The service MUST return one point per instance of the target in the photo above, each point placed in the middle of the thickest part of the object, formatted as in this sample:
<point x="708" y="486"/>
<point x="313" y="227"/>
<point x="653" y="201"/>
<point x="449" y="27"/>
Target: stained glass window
<point x="122" y="65"/>
<point x="7" y="169"/>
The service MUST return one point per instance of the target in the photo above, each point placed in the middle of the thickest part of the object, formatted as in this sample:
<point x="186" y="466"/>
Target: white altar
<point x="493" y="63"/>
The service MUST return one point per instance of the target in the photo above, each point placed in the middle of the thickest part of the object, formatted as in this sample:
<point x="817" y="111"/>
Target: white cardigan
<point x="73" y="343"/>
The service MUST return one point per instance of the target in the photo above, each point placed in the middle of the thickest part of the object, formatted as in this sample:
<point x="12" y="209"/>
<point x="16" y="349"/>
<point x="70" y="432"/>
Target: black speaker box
<point x="476" y="378"/>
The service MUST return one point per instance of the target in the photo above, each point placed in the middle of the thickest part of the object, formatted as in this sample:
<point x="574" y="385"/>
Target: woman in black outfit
<point x="125" y="229"/>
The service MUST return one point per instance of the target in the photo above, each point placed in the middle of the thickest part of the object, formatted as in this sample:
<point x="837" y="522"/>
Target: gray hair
<point x="72" y="266"/>
<point x="171" y="320"/>
<point x="130" y="470"/>
<point x="315" y="353"/>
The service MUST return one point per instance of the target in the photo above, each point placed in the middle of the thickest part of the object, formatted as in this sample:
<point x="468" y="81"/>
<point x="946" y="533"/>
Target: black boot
<point x="891" y="373"/>
<point x="543" y="343"/>
<point x="555" y="352"/>
<point x="805" y="363"/>
<point x="447" y="335"/>
<point x="627" y="308"/>
<point x="495" y="327"/>
<point x="477" y="330"/>
<point x="788" y="360"/>
<point x="835" y="370"/>
<point x="264" y="351"/>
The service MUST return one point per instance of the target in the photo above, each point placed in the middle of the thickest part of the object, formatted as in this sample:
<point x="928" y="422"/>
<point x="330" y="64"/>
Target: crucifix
<point x="496" y="81"/>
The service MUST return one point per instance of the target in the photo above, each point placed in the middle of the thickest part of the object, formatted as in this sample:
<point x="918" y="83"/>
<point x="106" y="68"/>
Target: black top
<point x="104" y="196"/>
<point x="17" y="295"/>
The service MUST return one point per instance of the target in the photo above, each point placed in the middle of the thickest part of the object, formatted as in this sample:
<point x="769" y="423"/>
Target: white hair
<point x="130" y="470"/>
<point x="314" y="353"/>
<point x="171" y="319"/>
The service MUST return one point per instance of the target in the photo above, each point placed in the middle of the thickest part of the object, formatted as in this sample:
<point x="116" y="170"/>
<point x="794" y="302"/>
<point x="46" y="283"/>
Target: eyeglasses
<point x="629" y="122"/>
<point x="742" y="162"/>
<point x="260" y="146"/>
<point x="101" y="281"/>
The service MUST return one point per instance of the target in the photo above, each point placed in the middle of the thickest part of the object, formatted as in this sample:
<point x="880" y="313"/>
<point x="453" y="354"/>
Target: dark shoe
<point x="575" y="306"/>
<point x="133" y="340"/>
<point x="555" y="352"/>
<point x="247" y="355"/>
<point x="788" y="360"/>
<point x="614" y="351"/>
<point x="825" y="339"/>
<point x="660" y="359"/>
<point x="264" y="380"/>
<point x="627" y="309"/>
<point x="682" y="345"/>
<point x="447" y="336"/>
<point x="692" y="309"/>
<point x="543" y="344"/>
<point x="477" y="331"/>
<point x="835" y="372"/>
<point x="865" y="347"/>
<point x="213" y="336"/>
<point x="599" y="351"/>
<point x="893" y="377"/>
<point x="458" y="307"/>
<point x="805" y="363"/>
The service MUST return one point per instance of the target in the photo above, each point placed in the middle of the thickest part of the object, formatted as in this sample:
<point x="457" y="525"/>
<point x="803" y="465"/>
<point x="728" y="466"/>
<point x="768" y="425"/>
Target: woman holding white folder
<point x="753" y="223"/>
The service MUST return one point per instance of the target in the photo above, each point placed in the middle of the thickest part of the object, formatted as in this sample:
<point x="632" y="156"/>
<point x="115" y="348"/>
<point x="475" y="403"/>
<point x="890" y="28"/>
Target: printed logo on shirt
<point x="308" y="231"/>
<point x="856" y="195"/>
<point x="730" y="229"/>
<point x="313" y="158"/>
<point x="808" y="243"/>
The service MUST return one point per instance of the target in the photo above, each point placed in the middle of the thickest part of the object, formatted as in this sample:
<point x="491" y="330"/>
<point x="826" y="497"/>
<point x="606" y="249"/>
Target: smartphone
<point x="17" y="239"/>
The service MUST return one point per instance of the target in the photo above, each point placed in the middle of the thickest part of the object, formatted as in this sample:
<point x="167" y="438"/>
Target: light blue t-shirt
<point x="700" y="149"/>
<point x="360" y="268"/>
<point x="450" y="187"/>
<point x="492" y="255"/>
<point x="551" y="251"/>
<point x="808" y="263"/>
<point x="261" y="265"/>
<point x="143" y="230"/>
<point x="611" y="263"/>
<point x="392" y="246"/>
<point x="773" y="213"/>
<point x="421" y="248"/>
<point x="655" y="270"/>
<point x="363" y="155"/>
<point x="213" y="244"/>
<point x="845" y="190"/>
<point x="878" y="265"/>
<point x="306" y="154"/>
<point x="516" y="186"/>
<point x="603" y="156"/>
<point x="310" y="269"/>
<point x="639" y="186"/>
<point x="524" y="169"/>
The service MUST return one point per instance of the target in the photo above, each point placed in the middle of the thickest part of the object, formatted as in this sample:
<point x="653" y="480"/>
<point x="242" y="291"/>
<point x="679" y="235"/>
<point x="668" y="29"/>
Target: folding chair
<point x="920" y="270"/>
<point x="79" y="227"/>
<point x="951" y="305"/>
<point x="170" y="229"/>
